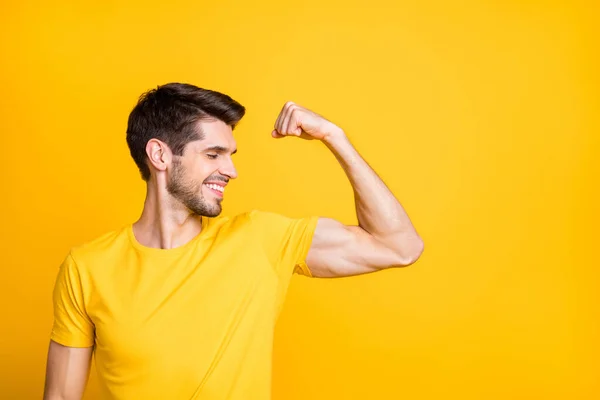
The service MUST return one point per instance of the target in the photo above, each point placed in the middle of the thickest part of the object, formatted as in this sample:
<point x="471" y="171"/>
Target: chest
<point x="182" y="311"/>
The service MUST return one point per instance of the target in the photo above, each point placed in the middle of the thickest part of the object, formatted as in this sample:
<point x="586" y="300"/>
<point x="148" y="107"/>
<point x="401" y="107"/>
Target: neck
<point x="165" y="223"/>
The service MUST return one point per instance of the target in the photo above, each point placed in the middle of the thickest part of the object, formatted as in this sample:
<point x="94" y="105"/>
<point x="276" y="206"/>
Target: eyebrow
<point x="220" y="149"/>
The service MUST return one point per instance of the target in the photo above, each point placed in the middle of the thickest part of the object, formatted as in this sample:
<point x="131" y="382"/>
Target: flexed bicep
<point x="339" y="250"/>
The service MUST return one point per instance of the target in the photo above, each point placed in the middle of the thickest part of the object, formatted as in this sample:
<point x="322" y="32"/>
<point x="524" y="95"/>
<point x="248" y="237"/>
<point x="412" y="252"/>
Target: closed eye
<point x="212" y="156"/>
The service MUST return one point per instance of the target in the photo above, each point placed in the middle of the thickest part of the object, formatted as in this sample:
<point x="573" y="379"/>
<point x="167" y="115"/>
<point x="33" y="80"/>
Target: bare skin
<point x="182" y="189"/>
<point x="67" y="372"/>
<point x="384" y="237"/>
<point x="177" y="193"/>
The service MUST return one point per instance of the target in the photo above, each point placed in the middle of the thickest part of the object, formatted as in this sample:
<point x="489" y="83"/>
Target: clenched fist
<point x="294" y="120"/>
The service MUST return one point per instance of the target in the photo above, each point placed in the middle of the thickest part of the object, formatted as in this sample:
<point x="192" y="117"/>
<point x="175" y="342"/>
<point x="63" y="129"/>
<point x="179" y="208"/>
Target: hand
<point x="294" y="120"/>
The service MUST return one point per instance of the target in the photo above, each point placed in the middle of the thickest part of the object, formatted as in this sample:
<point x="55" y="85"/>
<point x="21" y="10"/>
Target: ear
<point x="159" y="154"/>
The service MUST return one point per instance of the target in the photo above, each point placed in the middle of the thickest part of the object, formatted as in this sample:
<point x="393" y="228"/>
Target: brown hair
<point x="170" y="112"/>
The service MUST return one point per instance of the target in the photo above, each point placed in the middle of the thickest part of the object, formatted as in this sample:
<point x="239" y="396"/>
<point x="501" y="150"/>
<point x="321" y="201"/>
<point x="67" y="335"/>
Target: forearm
<point x="377" y="209"/>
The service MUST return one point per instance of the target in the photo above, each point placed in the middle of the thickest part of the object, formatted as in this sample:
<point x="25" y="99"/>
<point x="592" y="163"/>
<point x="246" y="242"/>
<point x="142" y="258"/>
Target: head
<point x="181" y="137"/>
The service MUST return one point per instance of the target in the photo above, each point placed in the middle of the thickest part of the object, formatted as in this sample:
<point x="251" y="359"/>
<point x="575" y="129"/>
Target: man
<point x="182" y="303"/>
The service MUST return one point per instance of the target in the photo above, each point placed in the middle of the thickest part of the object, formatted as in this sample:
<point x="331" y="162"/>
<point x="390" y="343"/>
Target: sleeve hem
<point x="309" y="232"/>
<point x="70" y="341"/>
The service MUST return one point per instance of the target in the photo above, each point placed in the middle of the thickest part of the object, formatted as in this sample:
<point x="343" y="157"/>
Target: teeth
<point x="215" y="187"/>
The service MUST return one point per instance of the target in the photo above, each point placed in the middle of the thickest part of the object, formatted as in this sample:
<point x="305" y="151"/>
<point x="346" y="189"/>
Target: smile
<point x="217" y="189"/>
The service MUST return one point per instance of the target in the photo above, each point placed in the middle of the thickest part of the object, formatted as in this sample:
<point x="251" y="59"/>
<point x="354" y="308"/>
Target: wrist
<point x="334" y="136"/>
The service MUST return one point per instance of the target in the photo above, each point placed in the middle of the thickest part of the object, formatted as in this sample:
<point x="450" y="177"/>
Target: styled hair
<point x="170" y="112"/>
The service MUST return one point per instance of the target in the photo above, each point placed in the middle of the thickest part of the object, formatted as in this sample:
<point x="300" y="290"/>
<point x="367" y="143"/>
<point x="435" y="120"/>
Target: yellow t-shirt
<point x="193" y="322"/>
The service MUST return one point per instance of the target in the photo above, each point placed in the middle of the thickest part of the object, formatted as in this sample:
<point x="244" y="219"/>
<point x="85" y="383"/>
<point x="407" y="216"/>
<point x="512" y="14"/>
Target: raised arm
<point x="67" y="372"/>
<point x="384" y="237"/>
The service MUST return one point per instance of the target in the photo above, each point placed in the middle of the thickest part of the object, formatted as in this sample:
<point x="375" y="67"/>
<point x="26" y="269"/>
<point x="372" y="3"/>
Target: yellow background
<point x="482" y="116"/>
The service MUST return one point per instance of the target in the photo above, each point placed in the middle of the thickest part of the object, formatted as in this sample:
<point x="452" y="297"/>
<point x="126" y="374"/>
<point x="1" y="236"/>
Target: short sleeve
<point x="285" y="240"/>
<point x="72" y="326"/>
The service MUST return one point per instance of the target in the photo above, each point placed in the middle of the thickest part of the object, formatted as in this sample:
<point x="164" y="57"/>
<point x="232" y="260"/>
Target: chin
<point x="214" y="211"/>
<point x="204" y="207"/>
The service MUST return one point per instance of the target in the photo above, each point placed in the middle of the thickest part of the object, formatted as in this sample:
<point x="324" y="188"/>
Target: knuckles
<point x="294" y="114"/>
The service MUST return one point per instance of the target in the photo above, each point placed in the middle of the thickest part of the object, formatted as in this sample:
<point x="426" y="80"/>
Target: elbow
<point x="411" y="254"/>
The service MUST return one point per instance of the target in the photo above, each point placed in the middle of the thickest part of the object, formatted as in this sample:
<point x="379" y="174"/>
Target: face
<point x="198" y="178"/>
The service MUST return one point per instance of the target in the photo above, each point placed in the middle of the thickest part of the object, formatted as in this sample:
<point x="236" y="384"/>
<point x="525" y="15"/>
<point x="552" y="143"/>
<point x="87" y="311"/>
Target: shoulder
<point x="258" y="216"/>
<point x="268" y="220"/>
<point x="254" y="221"/>
<point x="252" y="218"/>
<point x="272" y="223"/>
<point x="98" y="248"/>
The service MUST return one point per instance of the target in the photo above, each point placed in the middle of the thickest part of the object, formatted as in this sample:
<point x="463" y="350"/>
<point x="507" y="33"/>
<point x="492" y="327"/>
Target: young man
<point x="182" y="303"/>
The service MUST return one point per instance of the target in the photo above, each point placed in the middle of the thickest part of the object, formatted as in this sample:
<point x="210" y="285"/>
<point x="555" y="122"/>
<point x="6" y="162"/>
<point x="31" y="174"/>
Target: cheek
<point x="190" y="176"/>
<point x="201" y="171"/>
<point x="197" y="175"/>
<point x="194" y="170"/>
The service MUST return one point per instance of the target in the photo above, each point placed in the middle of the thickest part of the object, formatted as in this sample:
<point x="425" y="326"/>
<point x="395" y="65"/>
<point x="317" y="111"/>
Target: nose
<point x="228" y="169"/>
